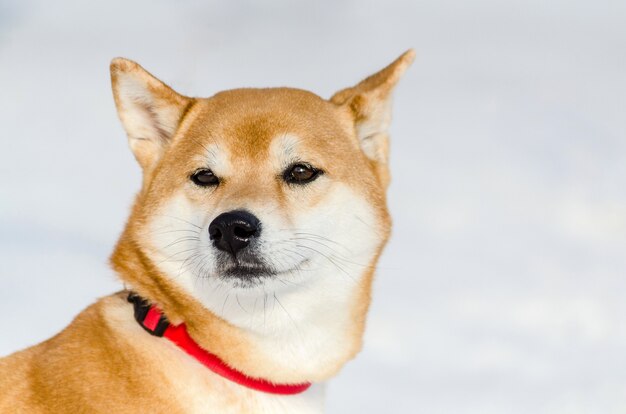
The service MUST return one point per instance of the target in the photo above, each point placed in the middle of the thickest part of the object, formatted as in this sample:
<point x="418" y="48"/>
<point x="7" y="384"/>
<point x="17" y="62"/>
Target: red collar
<point x="152" y="320"/>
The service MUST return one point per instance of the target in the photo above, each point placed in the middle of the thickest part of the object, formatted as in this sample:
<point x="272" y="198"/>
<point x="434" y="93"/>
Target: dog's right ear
<point x="150" y="110"/>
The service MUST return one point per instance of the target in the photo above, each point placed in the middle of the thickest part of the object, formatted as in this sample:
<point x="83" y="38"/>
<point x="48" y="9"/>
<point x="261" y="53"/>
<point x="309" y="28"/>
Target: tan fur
<point x="104" y="362"/>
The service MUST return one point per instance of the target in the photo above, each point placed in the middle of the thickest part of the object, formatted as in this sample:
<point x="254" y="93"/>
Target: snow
<point x="502" y="288"/>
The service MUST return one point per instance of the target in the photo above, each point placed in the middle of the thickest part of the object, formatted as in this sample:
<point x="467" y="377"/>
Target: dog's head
<point x="259" y="198"/>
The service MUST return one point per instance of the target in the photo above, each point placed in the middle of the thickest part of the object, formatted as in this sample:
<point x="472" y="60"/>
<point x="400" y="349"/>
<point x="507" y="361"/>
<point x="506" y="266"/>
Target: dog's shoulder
<point x="91" y="363"/>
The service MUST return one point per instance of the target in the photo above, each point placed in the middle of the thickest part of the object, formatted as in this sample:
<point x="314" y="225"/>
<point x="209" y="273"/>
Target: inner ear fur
<point x="370" y="104"/>
<point x="150" y="110"/>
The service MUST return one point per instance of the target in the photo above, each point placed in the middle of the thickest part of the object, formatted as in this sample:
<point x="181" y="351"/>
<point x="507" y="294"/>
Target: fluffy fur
<point x="299" y="320"/>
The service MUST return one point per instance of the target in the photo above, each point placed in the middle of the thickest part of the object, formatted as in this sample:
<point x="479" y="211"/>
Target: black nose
<point x="233" y="231"/>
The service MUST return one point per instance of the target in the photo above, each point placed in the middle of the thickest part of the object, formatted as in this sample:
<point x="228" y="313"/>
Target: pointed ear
<point x="370" y="103"/>
<point x="150" y="110"/>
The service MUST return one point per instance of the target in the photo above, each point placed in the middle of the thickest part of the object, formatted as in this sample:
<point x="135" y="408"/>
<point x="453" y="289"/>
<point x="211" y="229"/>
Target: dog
<point x="247" y="260"/>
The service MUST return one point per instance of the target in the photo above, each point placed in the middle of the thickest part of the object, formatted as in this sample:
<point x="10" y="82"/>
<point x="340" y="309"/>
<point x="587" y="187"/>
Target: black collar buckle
<point x="142" y="307"/>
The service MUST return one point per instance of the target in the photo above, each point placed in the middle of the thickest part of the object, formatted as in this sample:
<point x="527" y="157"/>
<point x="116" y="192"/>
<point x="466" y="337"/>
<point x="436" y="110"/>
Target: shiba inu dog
<point x="247" y="259"/>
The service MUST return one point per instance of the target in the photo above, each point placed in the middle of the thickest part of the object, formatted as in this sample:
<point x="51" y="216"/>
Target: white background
<point x="503" y="288"/>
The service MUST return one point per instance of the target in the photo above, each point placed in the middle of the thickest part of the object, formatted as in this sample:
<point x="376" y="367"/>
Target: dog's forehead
<point x="257" y="123"/>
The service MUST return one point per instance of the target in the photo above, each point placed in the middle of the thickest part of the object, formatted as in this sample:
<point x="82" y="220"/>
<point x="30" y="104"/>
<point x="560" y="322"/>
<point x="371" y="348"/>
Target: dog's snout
<point x="233" y="231"/>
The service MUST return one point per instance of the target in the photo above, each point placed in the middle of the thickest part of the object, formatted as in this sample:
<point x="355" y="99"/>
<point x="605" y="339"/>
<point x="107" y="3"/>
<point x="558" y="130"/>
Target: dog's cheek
<point x="174" y="238"/>
<point x="343" y="226"/>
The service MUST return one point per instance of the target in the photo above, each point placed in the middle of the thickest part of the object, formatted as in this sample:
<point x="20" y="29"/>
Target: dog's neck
<point x="310" y="352"/>
<point x="156" y="323"/>
<point x="181" y="382"/>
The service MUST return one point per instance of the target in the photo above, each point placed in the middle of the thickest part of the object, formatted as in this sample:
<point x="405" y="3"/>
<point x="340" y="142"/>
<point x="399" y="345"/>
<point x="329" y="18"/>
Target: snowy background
<point x="503" y="289"/>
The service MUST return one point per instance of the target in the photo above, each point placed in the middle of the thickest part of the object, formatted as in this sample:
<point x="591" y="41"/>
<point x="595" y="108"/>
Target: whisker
<point x="253" y="312"/>
<point x="239" y="303"/>
<point x="175" y="254"/>
<point x="335" y="254"/>
<point x="198" y="142"/>
<point x="330" y="260"/>
<point x="180" y="240"/>
<point x="312" y="240"/>
<point x="264" y="307"/>
<point x="289" y="316"/>
<point x="173" y="231"/>
<point x="178" y="218"/>
<point x="225" y="300"/>
<point x="323" y="238"/>
<point x="193" y="258"/>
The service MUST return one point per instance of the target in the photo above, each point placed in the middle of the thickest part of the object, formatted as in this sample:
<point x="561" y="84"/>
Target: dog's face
<point x="260" y="195"/>
<point x="262" y="187"/>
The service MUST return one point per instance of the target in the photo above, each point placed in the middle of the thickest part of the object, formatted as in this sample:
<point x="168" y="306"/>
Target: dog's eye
<point x="204" y="178"/>
<point x="301" y="174"/>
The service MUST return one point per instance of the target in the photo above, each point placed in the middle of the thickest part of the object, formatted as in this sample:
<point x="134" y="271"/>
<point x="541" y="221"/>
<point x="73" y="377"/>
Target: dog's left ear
<point x="150" y="110"/>
<point x="370" y="104"/>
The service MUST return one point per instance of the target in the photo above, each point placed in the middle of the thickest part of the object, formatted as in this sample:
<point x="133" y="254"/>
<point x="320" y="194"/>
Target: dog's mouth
<point x="246" y="271"/>
<point x="249" y="273"/>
